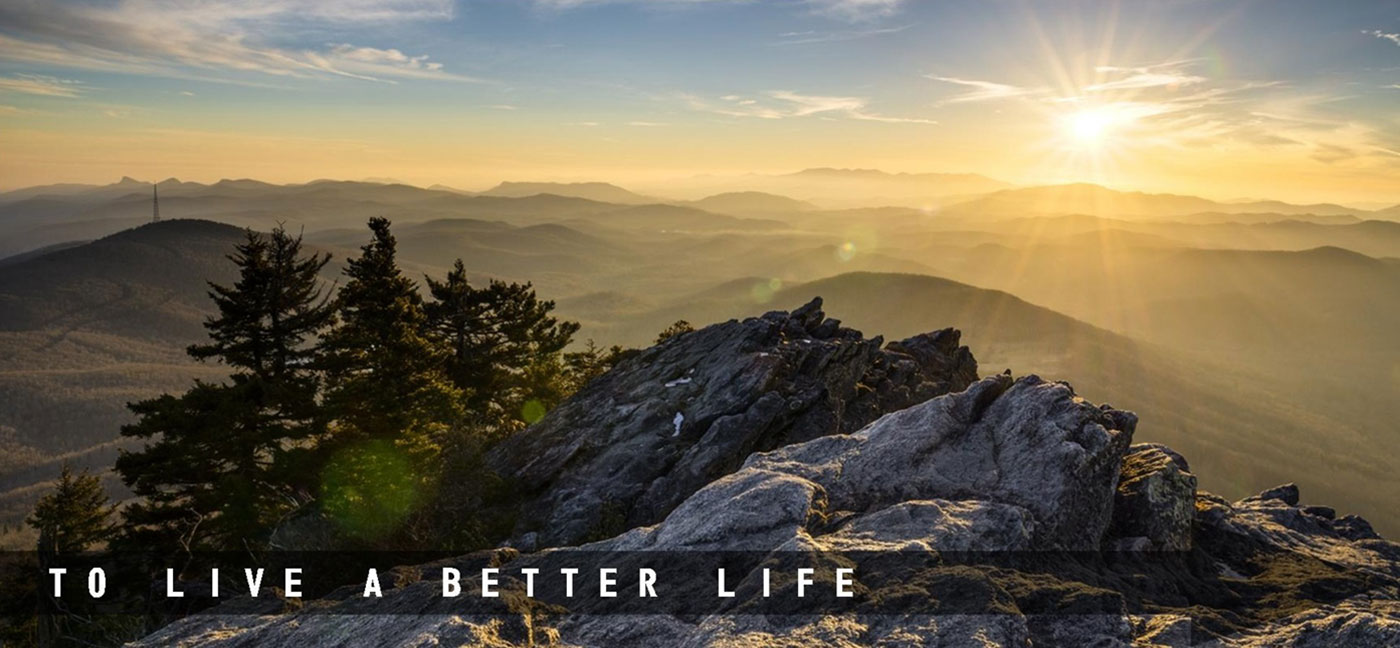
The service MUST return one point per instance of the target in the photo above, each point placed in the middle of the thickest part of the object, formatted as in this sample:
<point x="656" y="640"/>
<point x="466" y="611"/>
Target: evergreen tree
<point x="75" y="516"/>
<point x="592" y="361"/>
<point x="386" y="392"/>
<point x="267" y="316"/>
<point x="676" y="328"/>
<point x="225" y="458"/>
<point x="504" y="345"/>
<point x="264" y="330"/>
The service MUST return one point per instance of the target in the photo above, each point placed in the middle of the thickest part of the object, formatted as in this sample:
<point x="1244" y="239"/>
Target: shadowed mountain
<point x="145" y="282"/>
<point x="86" y="329"/>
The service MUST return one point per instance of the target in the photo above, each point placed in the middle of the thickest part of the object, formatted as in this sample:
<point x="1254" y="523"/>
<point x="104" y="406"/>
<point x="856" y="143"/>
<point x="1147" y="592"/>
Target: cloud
<point x="1169" y="75"/>
<point x="1165" y="76"/>
<point x="1171" y="106"/>
<point x="7" y="111"/>
<point x="1394" y="38"/>
<point x="847" y="10"/>
<point x="984" y="90"/>
<point x="856" y="10"/>
<point x="178" y="38"/>
<point x="810" y="37"/>
<point x="785" y="104"/>
<point x="645" y="124"/>
<point x="40" y="85"/>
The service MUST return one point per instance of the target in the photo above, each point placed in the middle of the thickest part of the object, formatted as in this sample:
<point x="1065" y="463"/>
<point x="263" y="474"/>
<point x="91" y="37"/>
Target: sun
<point x="1090" y="127"/>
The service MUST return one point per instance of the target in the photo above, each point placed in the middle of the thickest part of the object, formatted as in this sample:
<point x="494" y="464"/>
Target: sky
<point x="1295" y="100"/>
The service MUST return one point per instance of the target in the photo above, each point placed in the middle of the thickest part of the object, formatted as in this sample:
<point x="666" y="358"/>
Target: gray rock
<point x="771" y="459"/>
<point x="1287" y="493"/>
<point x="635" y="443"/>
<point x="1028" y="443"/>
<point x="1156" y="499"/>
<point x="1353" y="623"/>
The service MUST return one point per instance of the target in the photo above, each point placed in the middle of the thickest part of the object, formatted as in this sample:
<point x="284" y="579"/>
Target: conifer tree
<point x="75" y="516"/>
<point x="679" y="327"/>
<point x="224" y="457"/>
<point x="393" y="408"/>
<point x="384" y="377"/>
<point x="504" y="344"/>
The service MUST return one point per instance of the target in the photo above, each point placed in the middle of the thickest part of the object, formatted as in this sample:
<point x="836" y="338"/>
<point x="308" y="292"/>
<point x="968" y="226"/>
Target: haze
<point x="1218" y="99"/>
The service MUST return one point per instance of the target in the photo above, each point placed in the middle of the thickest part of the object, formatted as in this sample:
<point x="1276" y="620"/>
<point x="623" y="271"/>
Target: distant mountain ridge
<point x="899" y="176"/>
<point x="1097" y="200"/>
<point x="751" y="202"/>
<point x="599" y="191"/>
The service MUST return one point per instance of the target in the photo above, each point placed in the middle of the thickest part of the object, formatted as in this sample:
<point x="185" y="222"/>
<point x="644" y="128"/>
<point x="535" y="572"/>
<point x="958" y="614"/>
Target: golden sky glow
<point x="1171" y="97"/>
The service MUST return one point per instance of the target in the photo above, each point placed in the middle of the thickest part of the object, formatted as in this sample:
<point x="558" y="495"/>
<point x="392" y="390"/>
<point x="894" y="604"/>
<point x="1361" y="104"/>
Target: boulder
<point x="1156" y="499"/>
<point x="633" y="444"/>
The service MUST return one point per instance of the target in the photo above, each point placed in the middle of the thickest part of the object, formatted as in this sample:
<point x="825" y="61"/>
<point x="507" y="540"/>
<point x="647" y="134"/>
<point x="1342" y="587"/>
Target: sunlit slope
<point x="1242" y="432"/>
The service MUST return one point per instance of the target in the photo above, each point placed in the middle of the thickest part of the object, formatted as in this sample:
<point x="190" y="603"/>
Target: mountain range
<point x="1261" y="344"/>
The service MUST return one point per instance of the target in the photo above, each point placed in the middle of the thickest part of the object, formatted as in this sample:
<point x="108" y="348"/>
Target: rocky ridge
<point x="782" y="462"/>
<point x="636" y="442"/>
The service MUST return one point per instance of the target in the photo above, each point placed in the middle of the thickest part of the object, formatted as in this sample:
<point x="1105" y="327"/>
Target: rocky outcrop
<point x="979" y="517"/>
<point x="1155" y="506"/>
<point x="636" y="442"/>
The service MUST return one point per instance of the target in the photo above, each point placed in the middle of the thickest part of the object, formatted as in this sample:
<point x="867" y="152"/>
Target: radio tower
<point x="155" y="205"/>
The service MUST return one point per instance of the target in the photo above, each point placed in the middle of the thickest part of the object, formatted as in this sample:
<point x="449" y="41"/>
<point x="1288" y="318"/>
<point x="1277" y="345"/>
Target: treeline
<point x="349" y="420"/>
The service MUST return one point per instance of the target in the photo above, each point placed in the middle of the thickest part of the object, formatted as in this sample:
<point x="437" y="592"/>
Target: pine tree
<point x="75" y="516"/>
<point x="592" y="361"/>
<point x="392" y="405"/>
<point x="267" y="316"/>
<point x="504" y="345"/>
<point x="384" y="377"/>
<point x="225" y="458"/>
<point x="264" y="330"/>
<point x="679" y="327"/>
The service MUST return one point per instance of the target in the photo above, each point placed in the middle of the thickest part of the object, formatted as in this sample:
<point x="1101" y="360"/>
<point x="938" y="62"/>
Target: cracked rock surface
<point x="997" y="467"/>
<point x="635" y="443"/>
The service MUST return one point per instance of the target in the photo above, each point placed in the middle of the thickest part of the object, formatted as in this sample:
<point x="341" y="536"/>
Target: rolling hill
<point x="741" y="203"/>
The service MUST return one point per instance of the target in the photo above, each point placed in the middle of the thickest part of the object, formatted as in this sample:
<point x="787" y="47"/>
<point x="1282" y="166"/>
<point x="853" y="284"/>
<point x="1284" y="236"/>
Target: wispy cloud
<point x="846" y="10"/>
<point x="1111" y="78"/>
<point x="810" y="37"/>
<point x="984" y="90"/>
<point x="1168" y="75"/>
<point x="856" y="10"/>
<point x="784" y="104"/>
<point x="1392" y="37"/>
<point x="40" y="85"/>
<point x="1171" y="105"/>
<point x="171" y="37"/>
